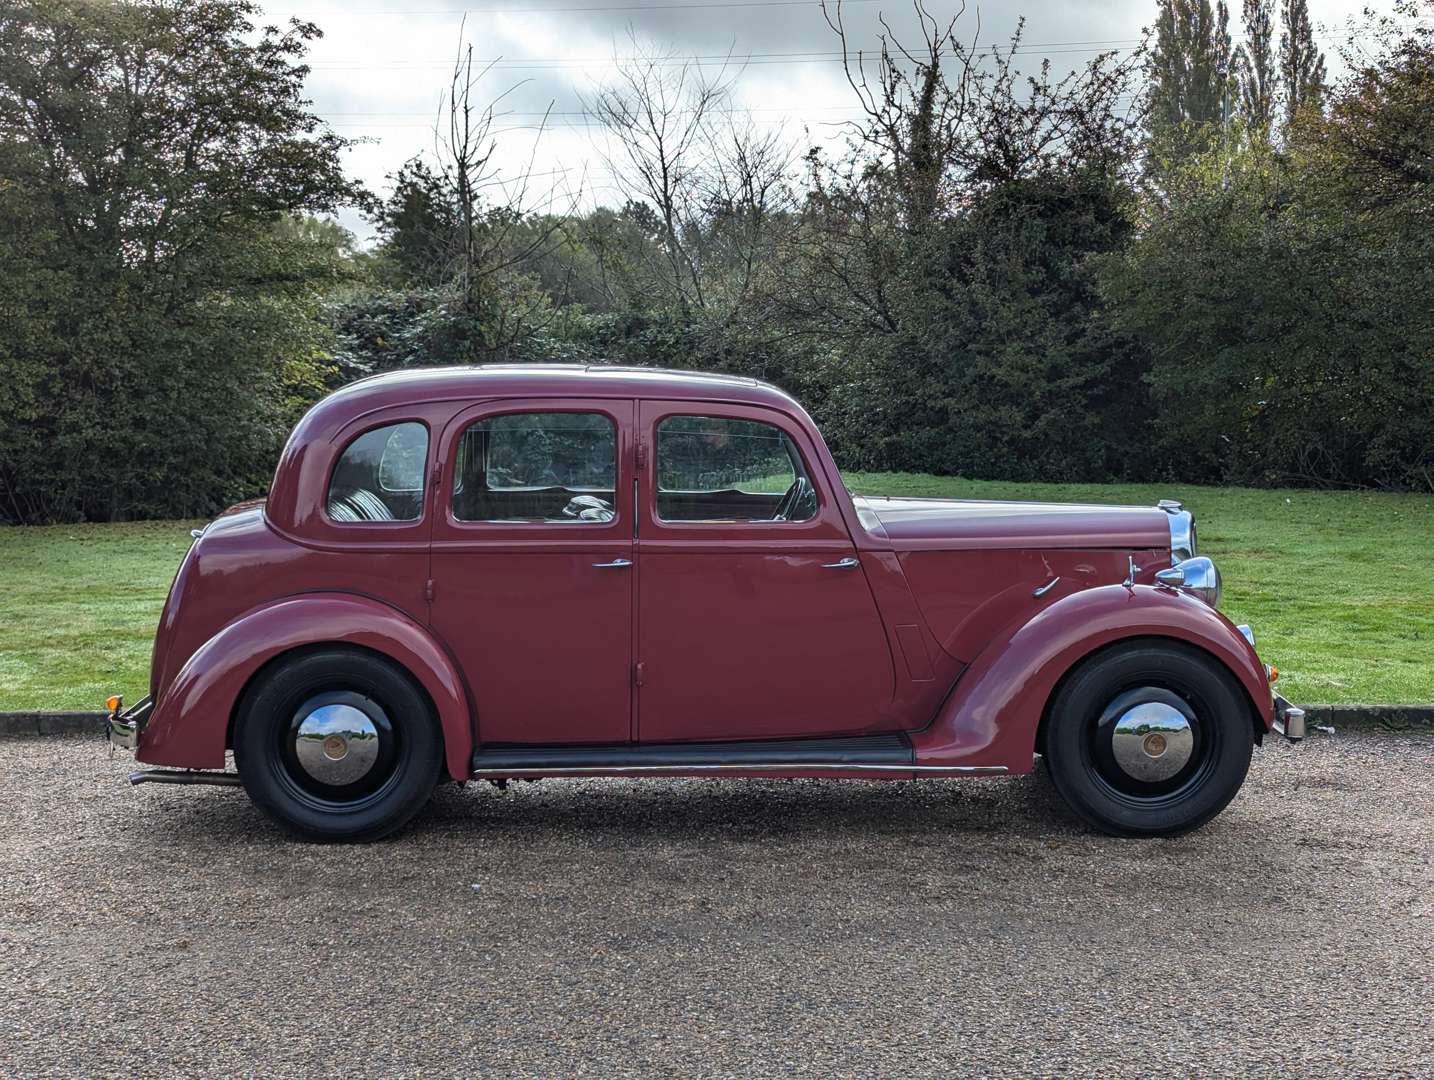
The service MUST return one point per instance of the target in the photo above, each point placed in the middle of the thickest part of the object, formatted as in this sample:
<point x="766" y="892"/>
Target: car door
<point x="532" y="567"/>
<point x="755" y="618"/>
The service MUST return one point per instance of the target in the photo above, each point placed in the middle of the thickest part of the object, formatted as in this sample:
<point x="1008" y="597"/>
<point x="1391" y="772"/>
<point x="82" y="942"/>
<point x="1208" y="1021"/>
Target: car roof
<point x="571" y="380"/>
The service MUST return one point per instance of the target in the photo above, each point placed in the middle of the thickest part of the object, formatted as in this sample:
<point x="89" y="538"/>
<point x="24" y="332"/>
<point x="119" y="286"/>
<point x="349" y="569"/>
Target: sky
<point x="379" y="72"/>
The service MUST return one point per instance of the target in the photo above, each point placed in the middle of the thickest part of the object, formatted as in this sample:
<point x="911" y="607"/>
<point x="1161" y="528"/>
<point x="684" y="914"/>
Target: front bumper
<point x="123" y="728"/>
<point x="1289" y="719"/>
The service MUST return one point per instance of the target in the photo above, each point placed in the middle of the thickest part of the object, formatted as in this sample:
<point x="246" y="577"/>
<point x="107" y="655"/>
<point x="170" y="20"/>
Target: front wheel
<point x="337" y="745"/>
<point x="1149" y="739"/>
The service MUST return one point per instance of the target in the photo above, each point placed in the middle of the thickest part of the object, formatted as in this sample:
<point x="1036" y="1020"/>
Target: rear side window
<point x="380" y="476"/>
<point x="537" y="468"/>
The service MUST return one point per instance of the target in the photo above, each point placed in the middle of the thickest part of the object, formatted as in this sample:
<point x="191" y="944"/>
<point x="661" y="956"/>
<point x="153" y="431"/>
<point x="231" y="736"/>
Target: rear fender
<point x="191" y="719"/>
<point x="995" y="710"/>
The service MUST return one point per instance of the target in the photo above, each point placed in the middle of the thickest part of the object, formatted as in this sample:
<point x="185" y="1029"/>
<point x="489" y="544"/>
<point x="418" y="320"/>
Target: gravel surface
<point x="722" y="928"/>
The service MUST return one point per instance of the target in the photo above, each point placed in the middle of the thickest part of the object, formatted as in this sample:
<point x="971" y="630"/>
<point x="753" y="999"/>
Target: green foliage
<point x="166" y="313"/>
<point x="1191" y="75"/>
<point x="999" y="363"/>
<point x="978" y="282"/>
<point x="1254" y="65"/>
<point x="1301" y="62"/>
<point x="954" y="325"/>
<point x="1285" y="297"/>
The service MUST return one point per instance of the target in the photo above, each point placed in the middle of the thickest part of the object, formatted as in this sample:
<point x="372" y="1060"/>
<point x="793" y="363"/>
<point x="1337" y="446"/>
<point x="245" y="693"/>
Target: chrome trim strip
<point x="1182" y="532"/>
<point x="794" y="766"/>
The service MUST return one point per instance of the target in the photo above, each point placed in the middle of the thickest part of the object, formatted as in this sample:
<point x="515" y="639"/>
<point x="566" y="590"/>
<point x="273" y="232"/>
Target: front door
<point x="755" y="619"/>
<point x="533" y="567"/>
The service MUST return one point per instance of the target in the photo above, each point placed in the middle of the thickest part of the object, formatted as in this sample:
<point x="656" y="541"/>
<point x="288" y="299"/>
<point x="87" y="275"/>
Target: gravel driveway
<point x="722" y="928"/>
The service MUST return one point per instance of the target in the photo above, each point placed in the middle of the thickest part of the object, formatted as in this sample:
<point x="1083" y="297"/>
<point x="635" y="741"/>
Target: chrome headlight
<point x="1198" y="575"/>
<point x="1182" y="531"/>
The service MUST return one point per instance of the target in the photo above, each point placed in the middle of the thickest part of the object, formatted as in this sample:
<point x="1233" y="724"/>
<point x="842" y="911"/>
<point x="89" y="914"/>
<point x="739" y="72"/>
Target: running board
<point x="183" y="776"/>
<point x="856" y="754"/>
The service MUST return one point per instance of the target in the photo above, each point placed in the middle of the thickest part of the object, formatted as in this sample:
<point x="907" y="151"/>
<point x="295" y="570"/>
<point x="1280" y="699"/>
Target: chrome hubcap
<point x="336" y="744"/>
<point x="1152" y="741"/>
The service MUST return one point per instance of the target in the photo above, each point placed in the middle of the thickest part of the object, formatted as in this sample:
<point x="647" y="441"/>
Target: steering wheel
<point x="800" y="490"/>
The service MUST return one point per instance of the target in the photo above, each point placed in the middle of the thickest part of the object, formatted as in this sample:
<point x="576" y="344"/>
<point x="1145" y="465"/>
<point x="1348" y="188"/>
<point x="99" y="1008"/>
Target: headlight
<point x="1199" y="575"/>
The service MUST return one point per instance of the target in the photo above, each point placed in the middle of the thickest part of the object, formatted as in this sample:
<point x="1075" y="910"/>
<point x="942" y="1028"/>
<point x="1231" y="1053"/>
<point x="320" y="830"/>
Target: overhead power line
<point x="312" y="12"/>
<point x="739" y="60"/>
<point x="707" y="59"/>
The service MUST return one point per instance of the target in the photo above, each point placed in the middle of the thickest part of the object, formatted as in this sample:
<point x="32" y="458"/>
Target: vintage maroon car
<point x="544" y="571"/>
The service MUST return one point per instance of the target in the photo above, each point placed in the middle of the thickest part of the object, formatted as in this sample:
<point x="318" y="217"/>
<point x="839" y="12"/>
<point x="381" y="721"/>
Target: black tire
<point x="1108" y="699"/>
<point x="310" y="784"/>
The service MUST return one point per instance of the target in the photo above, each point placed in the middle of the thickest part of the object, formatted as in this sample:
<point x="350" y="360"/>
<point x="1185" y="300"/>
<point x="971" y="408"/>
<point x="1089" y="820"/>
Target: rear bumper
<point x="123" y="728"/>
<point x="1289" y="719"/>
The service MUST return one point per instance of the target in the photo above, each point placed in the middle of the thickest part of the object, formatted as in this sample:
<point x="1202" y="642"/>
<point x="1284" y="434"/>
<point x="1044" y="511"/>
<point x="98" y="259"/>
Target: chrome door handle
<point x="614" y="563"/>
<point x="840" y="564"/>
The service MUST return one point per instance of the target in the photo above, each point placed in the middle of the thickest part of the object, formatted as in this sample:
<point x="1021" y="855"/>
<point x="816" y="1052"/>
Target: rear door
<point x="755" y="619"/>
<point x="533" y="566"/>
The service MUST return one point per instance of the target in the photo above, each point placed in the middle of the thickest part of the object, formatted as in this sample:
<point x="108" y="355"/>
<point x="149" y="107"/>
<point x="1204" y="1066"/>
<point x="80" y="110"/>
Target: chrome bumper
<point x="122" y="729"/>
<point x="1289" y="720"/>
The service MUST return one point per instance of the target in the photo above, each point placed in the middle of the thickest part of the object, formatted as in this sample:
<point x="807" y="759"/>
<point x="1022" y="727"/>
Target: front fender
<point x="992" y="715"/>
<point x="191" y="718"/>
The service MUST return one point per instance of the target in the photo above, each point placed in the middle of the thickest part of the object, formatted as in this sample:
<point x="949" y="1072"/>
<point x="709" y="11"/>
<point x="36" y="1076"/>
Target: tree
<point x="1284" y="297"/>
<point x="940" y="281"/>
<point x="1379" y="135"/>
<point x="416" y="225"/>
<point x="461" y="241"/>
<point x="168" y="322"/>
<point x="501" y="224"/>
<point x="1255" y="67"/>
<point x="1301" y="62"/>
<point x="1189" y="72"/>
<point x="714" y="183"/>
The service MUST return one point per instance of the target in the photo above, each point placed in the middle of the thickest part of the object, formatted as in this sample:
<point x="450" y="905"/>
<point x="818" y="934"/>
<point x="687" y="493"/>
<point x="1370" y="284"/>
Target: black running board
<point x="858" y="754"/>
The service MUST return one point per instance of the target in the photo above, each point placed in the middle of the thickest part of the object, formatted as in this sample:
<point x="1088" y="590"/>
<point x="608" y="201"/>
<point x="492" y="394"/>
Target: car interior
<point x="379" y="476"/>
<point x="722" y="469"/>
<point x="560" y="467"/>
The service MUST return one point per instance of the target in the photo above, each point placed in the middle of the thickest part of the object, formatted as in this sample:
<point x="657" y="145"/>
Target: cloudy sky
<point x="382" y="65"/>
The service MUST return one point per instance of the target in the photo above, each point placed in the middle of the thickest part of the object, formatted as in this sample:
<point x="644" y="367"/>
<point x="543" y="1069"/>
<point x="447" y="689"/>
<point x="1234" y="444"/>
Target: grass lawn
<point x="79" y="609"/>
<point x="1336" y="584"/>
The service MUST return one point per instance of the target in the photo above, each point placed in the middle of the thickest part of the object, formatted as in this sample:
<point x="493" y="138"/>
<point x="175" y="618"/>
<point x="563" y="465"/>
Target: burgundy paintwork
<point x="717" y="631"/>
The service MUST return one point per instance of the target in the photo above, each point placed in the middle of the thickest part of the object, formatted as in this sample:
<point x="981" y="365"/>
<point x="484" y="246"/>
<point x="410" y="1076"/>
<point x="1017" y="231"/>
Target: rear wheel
<point x="1149" y="739"/>
<point x="337" y="745"/>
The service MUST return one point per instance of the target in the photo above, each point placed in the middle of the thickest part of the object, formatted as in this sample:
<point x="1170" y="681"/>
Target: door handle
<point x="615" y="563"/>
<point x="840" y="564"/>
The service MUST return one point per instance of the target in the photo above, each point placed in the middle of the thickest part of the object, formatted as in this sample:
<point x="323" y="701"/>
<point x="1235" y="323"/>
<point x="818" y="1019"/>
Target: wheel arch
<point x="1136" y="640"/>
<point x="289" y="655"/>
<point x="995" y="714"/>
<point x="192" y="722"/>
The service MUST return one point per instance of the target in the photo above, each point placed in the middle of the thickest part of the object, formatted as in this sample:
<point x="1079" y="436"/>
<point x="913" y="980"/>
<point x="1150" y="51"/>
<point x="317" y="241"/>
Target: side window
<point x="718" y="469"/>
<point x="537" y="468"/>
<point x="379" y="476"/>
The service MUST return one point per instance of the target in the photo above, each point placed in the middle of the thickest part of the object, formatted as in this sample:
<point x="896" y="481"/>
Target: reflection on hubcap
<point x="336" y="744"/>
<point x="1152" y="741"/>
